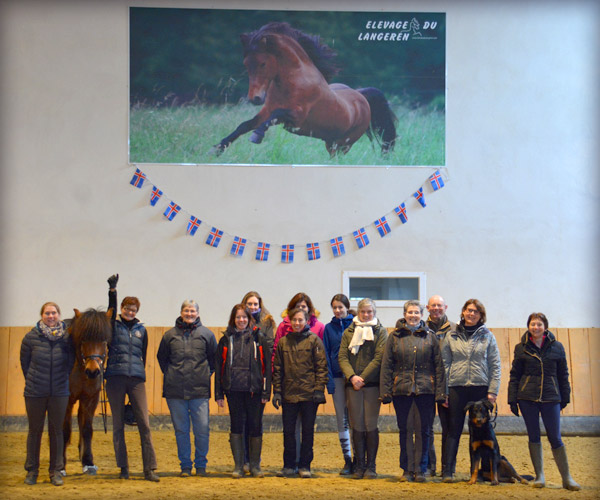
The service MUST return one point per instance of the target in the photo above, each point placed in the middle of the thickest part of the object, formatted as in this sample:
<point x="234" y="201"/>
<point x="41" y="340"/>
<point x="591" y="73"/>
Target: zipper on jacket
<point x="534" y="355"/>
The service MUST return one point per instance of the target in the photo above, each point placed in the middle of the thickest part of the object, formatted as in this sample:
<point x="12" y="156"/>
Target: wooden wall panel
<point x="4" y="343"/>
<point x="502" y="339"/>
<point x="15" y="403"/>
<point x="580" y="371"/>
<point x="594" y="346"/>
<point x="562" y="335"/>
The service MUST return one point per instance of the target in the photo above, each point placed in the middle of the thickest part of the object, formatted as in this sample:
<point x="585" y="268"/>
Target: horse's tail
<point x="383" y="119"/>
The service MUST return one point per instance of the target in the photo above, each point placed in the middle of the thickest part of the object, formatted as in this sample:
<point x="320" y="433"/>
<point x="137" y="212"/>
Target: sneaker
<point x="448" y="478"/>
<point x="201" y="471"/>
<point x="151" y="475"/>
<point x="286" y="472"/>
<point x="185" y="473"/>
<point x="124" y="473"/>
<point x="370" y="474"/>
<point x="31" y="477"/>
<point x="430" y="473"/>
<point x="57" y="479"/>
<point x="419" y="477"/>
<point x="304" y="473"/>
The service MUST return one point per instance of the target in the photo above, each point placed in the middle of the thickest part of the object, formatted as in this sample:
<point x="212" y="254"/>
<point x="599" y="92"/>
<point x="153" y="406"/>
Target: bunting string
<point x="337" y="244"/>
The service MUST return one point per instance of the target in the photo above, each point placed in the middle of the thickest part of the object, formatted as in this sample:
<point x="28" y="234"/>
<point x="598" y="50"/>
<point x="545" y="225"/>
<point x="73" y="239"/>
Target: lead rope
<point x="495" y="416"/>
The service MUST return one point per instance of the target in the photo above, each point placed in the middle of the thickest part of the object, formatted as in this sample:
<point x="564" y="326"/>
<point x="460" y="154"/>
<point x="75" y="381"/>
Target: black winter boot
<point x="372" y="447"/>
<point x="237" y="449"/>
<point x="255" y="447"/>
<point x="359" y="441"/>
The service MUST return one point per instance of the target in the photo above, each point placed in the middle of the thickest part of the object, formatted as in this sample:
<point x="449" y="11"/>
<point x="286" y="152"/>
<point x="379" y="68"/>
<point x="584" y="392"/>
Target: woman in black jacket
<point x="46" y="360"/>
<point x="412" y="371"/>
<point x="243" y="374"/>
<point x="539" y="385"/>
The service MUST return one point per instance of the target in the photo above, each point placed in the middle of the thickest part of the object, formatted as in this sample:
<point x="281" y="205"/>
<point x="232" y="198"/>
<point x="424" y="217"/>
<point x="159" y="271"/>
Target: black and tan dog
<point x="484" y="449"/>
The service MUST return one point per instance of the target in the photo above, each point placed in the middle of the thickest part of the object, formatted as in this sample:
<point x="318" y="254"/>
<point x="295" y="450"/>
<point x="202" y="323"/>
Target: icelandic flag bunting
<point x="138" y="178"/>
<point x="313" y="251"/>
<point x="262" y="251"/>
<point x="287" y="254"/>
<point x="172" y="210"/>
<point x="419" y="197"/>
<point x="382" y="226"/>
<point x="337" y="246"/>
<point x="214" y="238"/>
<point x="436" y="180"/>
<point x="155" y="195"/>
<point x="401" y="212"/>
<point x="238" y="246"/>
<point x="193" y="224"/>
<point x="362" y="240"/>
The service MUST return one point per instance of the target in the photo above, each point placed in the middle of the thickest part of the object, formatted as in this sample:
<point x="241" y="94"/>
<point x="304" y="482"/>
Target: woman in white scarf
<point x="361" y="351"/>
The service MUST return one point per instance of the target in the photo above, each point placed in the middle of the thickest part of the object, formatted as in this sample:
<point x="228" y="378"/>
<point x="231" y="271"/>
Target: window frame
<point x="422" y="285"/>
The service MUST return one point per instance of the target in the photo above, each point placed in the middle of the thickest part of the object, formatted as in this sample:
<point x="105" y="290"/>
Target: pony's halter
<point x="99" y="358"/>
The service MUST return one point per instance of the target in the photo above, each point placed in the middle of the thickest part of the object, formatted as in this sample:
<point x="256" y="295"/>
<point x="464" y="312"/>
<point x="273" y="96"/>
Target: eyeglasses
<point x="130" y="309"/>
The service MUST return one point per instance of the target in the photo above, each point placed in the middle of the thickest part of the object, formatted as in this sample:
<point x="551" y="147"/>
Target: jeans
<point x="550" y="413"/>
<point x="425" y="404"/>
<point x="182" y="412"/>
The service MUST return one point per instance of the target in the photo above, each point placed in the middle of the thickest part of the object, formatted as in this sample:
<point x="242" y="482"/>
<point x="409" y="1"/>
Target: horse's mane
<point x="322" y="56"/>
<point x="91" y="326"/>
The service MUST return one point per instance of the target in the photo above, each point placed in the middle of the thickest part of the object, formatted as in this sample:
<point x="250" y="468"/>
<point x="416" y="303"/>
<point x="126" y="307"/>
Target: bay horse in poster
<point x="288" y="74"/>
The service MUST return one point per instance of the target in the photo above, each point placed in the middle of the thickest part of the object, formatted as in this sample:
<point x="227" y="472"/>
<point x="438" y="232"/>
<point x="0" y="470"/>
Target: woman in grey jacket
<point x="472" y="363"/>
<point x="187" y="359"/>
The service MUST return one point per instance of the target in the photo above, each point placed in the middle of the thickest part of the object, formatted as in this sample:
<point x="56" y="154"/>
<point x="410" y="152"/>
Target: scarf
<point x="51" y="333"/>
<point x="362" y="333"/>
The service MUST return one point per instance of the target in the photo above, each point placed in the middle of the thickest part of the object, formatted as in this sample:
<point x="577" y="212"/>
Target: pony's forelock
<point x="91" y="326"/>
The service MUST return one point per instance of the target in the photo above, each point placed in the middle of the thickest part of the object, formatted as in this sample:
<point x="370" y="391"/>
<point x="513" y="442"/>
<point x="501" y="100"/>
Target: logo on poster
<point x="398" y="31"/>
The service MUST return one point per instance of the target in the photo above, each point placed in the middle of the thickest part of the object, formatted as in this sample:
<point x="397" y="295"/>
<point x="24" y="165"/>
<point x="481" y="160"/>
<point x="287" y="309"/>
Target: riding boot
<point x="537" y="459"/>
<point x="237" y="449"/>
<point x="560" y="457"/>
<point x="255" y="447"/>
<point x="359" y="441"/>
<point x="372" y="447"/>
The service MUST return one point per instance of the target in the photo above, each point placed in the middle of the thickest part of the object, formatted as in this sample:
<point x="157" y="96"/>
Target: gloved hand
<point x="514" y="407"/>
<point x="563" y="405"/>
<point x="386" y="400"/>
<point x="112" y="281"/>
<point x="276" y="400"/>
<point x="319" y="397"/>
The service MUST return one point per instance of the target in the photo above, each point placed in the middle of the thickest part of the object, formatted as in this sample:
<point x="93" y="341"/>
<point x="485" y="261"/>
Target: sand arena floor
<point x="584" y="456"/>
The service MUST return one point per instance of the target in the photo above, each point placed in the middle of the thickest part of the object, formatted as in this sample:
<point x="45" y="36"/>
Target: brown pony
<point x="91" y="333"/>
<point x="288" y="73"/>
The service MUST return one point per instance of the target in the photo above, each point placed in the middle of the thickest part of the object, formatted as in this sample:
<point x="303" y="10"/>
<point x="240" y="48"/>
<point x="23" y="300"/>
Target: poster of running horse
<point x="263" y="87"/>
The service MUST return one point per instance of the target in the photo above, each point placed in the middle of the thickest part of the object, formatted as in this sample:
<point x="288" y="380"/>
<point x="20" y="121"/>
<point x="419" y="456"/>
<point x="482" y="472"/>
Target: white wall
<point x="516" y="225"/>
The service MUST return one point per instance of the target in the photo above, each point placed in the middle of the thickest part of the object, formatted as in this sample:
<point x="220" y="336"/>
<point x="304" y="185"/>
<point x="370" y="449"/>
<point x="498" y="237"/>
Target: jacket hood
<point x="403" y="329"/>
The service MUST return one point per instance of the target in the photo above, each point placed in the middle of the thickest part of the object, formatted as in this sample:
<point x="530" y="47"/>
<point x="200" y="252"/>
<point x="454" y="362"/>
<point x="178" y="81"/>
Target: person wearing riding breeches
<point x="126" y="375"/>
<point x="472" y="363"/>
<point x="361" y="351"/>
<point x="539" y="385"/>
<point x="47" y="359"/>
<point x="186" y="356"/>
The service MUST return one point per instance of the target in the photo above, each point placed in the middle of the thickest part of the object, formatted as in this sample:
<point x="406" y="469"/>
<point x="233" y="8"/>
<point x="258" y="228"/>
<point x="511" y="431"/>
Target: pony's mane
<point x="322" y="56"/>
<point x="92" y="326"/>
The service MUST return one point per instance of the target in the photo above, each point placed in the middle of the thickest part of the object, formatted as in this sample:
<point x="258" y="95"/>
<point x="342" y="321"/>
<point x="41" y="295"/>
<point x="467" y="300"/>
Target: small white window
<point x="386" y="288"/>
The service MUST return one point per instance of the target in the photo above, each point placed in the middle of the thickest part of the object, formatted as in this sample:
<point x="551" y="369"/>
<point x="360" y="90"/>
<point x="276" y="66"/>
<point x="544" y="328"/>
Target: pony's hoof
<point x="257" y="137"/>
<point x="90" y="470"/>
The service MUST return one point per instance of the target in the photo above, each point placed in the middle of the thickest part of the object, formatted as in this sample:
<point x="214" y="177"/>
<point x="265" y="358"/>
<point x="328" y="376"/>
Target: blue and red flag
<point x="172" y="210"/>
<point x="401" y="212"/>
<point x="238" y="246"/>
<point x="362" y="240"/>
<point x="436" y="180"/>
<point x="193" y="224"/>
<point x="337" y="246"/>
<point x="382" y="226"/>
<point x="313" y="251"/>
<point x="155" y="195"/>
<point x="138" y="178"/>
<point x="214" y="238"/>
<point x="262" y="251"/>
<point x="419" y="197"/>
<point x="287" y="254"/>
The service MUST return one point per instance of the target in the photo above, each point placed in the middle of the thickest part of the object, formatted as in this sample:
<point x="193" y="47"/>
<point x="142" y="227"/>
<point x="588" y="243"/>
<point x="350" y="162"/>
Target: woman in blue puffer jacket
<point x="336" y="384"/>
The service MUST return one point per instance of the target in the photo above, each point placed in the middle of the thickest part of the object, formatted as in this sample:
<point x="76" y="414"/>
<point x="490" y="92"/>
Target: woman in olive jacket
<point x="412" y="371"/>
<point x="539" y="385"/>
